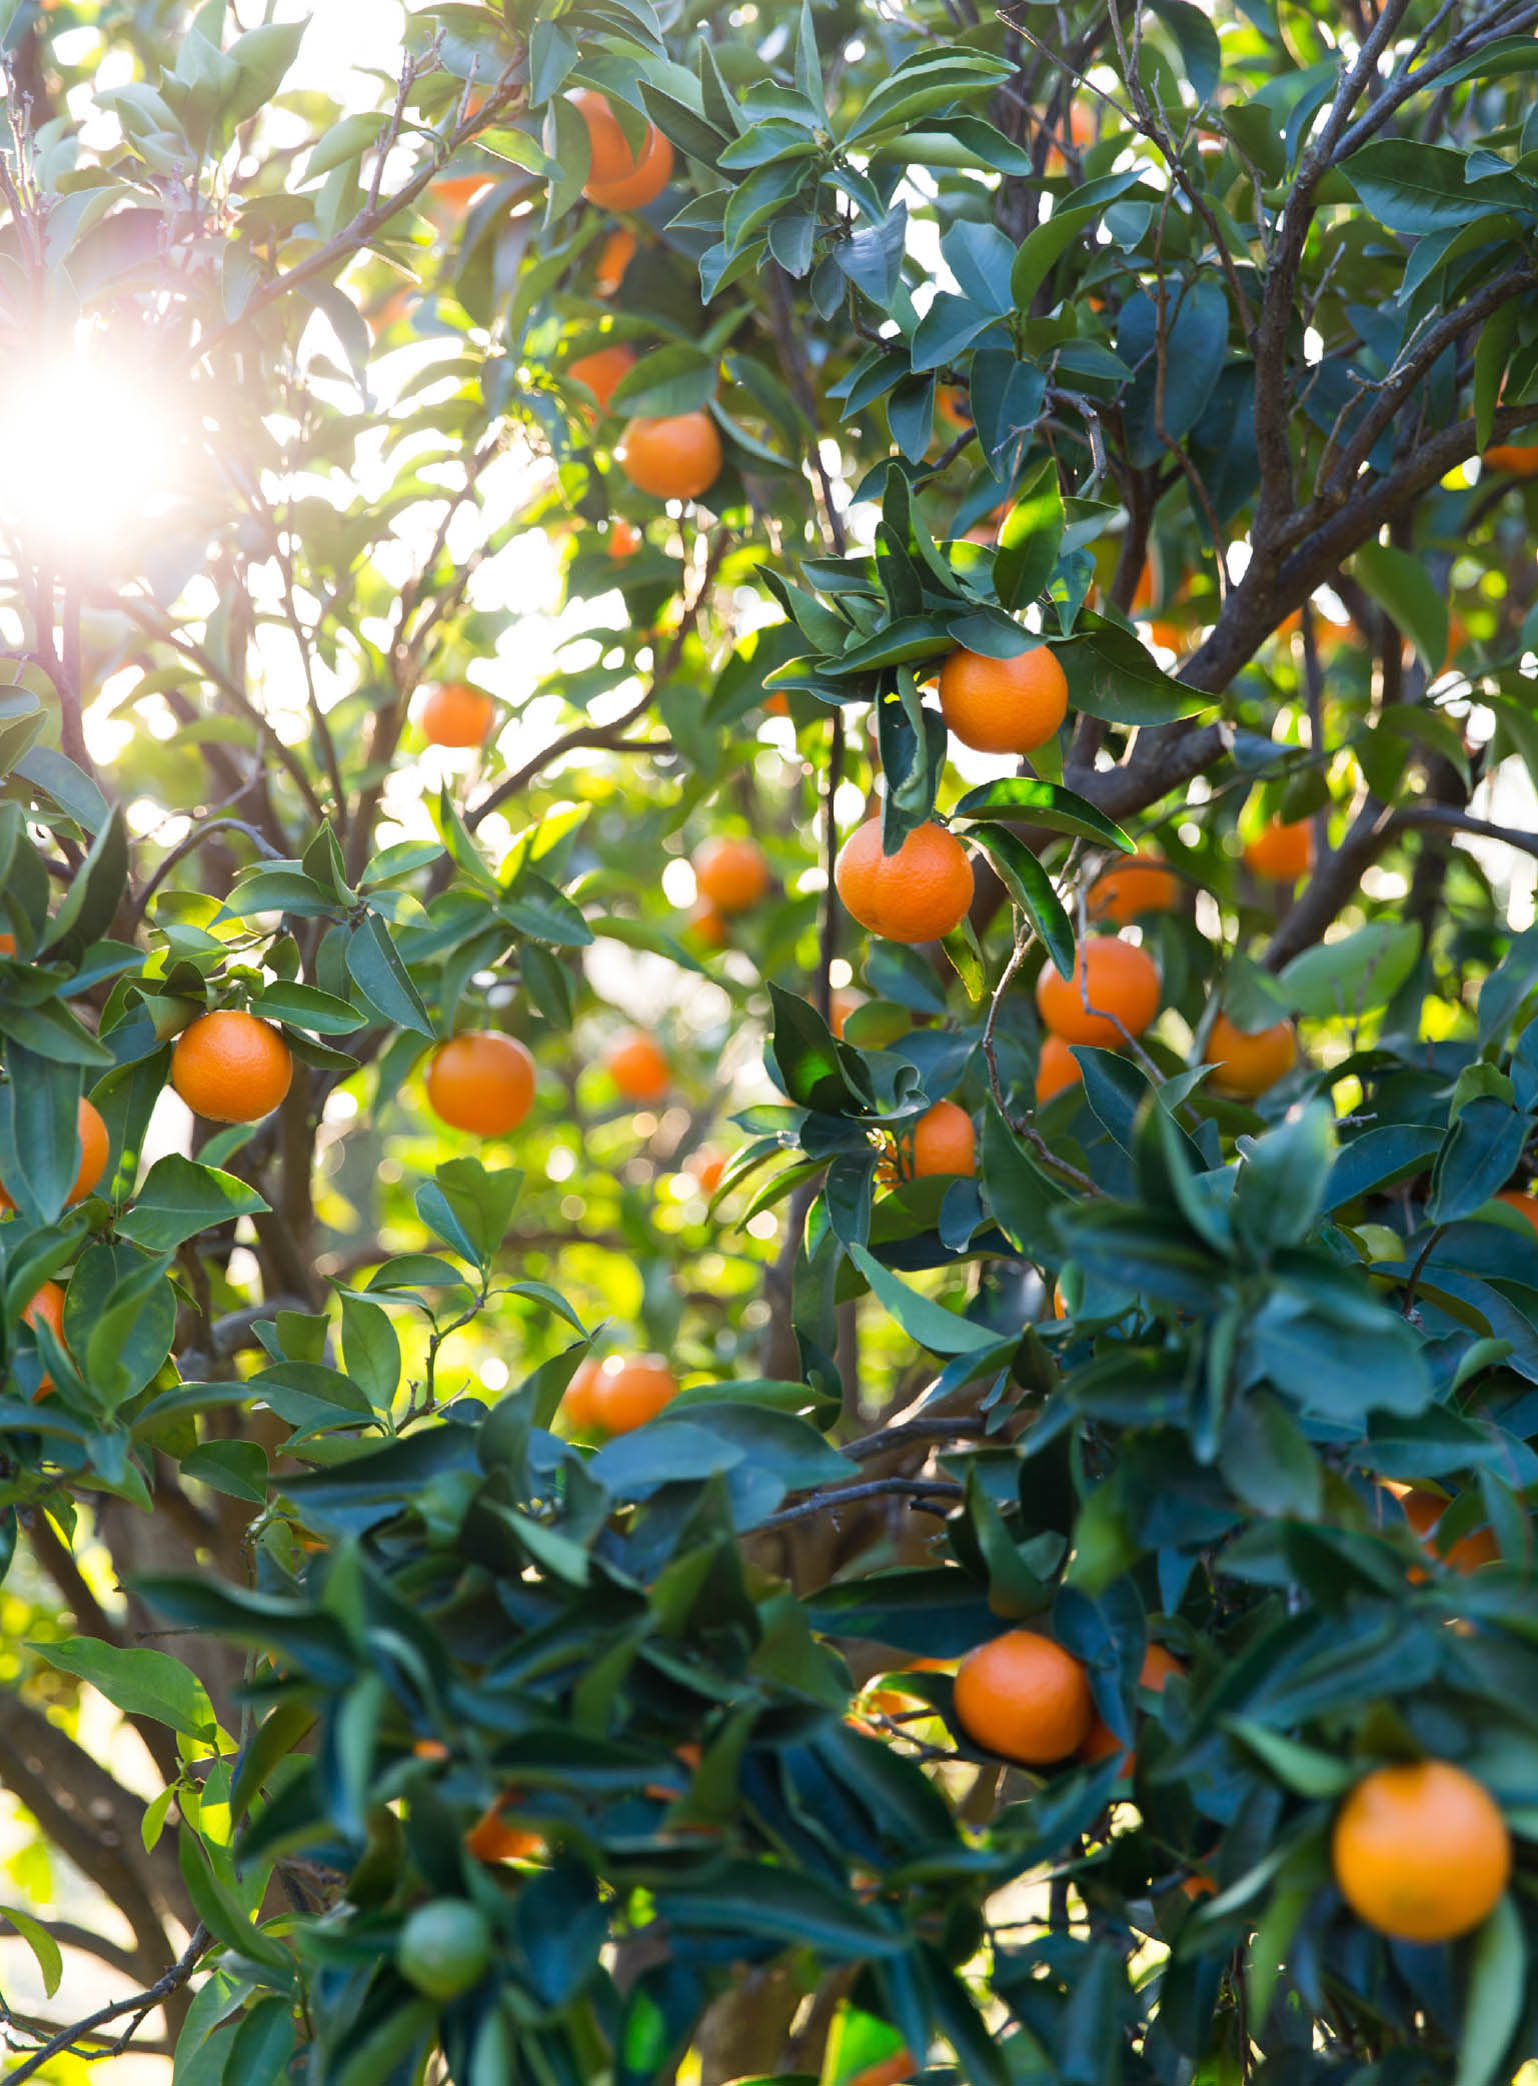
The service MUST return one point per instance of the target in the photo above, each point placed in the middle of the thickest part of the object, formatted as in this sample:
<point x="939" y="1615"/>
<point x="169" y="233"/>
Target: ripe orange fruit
<point x="1004" y="705"/>
<point x="457" y="715"/>
<point x="1282" y="853"/>
<point x="941" y="1141"/>
<point x="1102" y="1742"/>
<point x="623" y="540"/>
<point x="1081" y="128"/>
<point x="1136" y="885"/>
<point x="707" y="924"/>
<point x="1249" y="1065"/>
<point x="1517" y="1199"/>
<point x="618" y="179"/>
<point x="429" y="1749"/>
<point x="614" y="257"/>
<point x="458" y="190"/>
<point x="95" y="1146"/>
<point x="954" y="406"/>
<point x="577" y="1399"/>
<point x="47" y="1304"/>
<point x="1025" y="1698"/>
<point x="707" y="1166"/>
<point x="840" y="1007"/>
<point x="627" y="1394"/>
<point x="230" y="1067"/>
<point x="602" y="370"/>
<point x="481" y="1081"/>
<point x="731" y="874"/>
<point x="639" y="1067"/>
<point x="1056" y="1068"/>
<point x="887" y="2071"/>
<point x="677" y="458"/>
<point x="916" y="895"/>
<point x="1114" y="988"/>
<point x="1423" y="1510"/>
<point x="7" y="945"/>
<point x="1520" y="460"/>
<point x="1421" y="1851"/>
<point x="491" y="1838"/>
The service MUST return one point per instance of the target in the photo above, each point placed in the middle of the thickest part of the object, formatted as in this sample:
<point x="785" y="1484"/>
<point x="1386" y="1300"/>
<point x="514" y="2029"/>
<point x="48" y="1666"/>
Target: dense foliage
<point x="376" y="668"/>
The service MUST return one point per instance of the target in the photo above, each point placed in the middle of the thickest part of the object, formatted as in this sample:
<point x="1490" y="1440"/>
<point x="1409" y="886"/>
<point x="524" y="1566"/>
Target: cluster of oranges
<point x="730" y="877"/>
<point x="1420" y="1850"/>
<point x="676" y="456"/>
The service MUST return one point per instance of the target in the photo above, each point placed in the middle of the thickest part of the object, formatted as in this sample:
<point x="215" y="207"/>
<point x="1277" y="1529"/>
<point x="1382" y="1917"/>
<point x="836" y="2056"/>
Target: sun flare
<point x="92" y="454"/>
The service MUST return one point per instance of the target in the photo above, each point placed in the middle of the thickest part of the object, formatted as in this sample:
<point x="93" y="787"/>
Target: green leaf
<point x="1497" y="1989"/>
<point x="1029" y="885"/>
<point x="1341" y="1371"/>
<point x="780" y="1442"/>
<point x="371" y="1350"/>
<point x="306" y="1007"/>
<point x="236" y="1468"/>
<point x="140" y="1683"/>
<point x="264" y="2044"/>
<point x="1415" y="188"/>
<point x="685" y="127"/>
<point x="180" y="1198"/>
<point x="1162" y="403"/>
<point x="923" y="1320"/>
<point x="816" y="1071"/>
<point x="778" y="1904"/>
<point x="1266" y="1460"/>
<point x="1281" y="1182"/>
<point x="1496" y="339"/>
<point x="470" y="1206"/>
<point x="1042" y="804"/>
<point x="221" y="1911"/>
<point x="677" y="378"/>
<point x="1337" y="980"/>
<point x="1402" y="588"/>
<point x="74" y="792"/>
<point x="345" y="140"/>
<point x="376" y="968"/>
<point x="535" y="907"/>
<point x="51" y="1031"/>
<point x="39" y="1132"/>
<point x="42" y="1944"/>
<point x="89" y="906"/>
<point x="129" y="1331"/>
<point x="1478" y="1158"/>
<point x="1029" y="539"/>
<point x="1111" y="677"/>
<point x="1041" y="249"/>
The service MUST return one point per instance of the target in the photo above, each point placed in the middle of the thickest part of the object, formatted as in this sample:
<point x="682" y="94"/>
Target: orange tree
<point x="924" y="1467"/>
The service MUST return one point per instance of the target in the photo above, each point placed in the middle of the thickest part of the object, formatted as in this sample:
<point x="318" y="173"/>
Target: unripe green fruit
<point x="444" y="1948"/>
<point x="1378" y="1242"/>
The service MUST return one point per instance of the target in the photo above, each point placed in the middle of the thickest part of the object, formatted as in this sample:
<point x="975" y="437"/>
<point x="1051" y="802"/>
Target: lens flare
<point x="90" y="457"/>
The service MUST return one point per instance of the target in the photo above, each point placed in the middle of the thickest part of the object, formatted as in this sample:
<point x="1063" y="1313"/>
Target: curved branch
<point x="188" y="845"/>
<point x="140" y="2005"/>
<point x="925" y="1489"/>
<point x="609" y="736"/>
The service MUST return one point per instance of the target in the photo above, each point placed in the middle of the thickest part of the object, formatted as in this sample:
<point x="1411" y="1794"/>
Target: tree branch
<point x="609" y="736"/>
<point x="927" y="1489"/>
<point x="140" y="2005"/>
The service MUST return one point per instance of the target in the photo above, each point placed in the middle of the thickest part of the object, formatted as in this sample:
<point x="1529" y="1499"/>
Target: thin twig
<point x="870" y="1488"/>
<point x="142" y="2004"/>
<point x="187" y="846"/>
